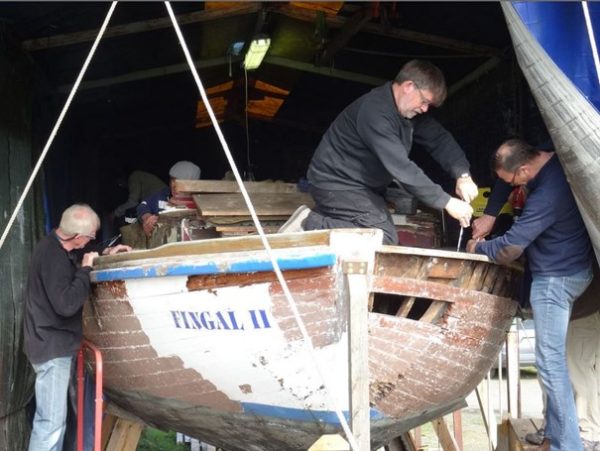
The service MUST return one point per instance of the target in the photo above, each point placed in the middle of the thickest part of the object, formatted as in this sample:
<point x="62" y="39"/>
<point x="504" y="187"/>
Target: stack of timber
<point x="220" y="204"/>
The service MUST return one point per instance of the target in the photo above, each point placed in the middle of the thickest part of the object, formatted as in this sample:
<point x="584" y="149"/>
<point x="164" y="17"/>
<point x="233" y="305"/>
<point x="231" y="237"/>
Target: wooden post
<point x="513" y="379"/>
<point x="358" y="352"/>
<point x="125" y="436"/>
<point x="457" y="427"/>
<point x="447" y="441"/>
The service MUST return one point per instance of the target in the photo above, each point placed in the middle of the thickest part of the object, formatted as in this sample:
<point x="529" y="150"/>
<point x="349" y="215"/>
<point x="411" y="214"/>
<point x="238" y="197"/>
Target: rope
<point x="57" y="125"/>
<point x="307" y="341"/>
<point x="590" y="30"/>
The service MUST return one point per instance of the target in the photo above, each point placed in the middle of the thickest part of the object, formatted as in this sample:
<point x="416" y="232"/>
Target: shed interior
<point x="138" y="106"/>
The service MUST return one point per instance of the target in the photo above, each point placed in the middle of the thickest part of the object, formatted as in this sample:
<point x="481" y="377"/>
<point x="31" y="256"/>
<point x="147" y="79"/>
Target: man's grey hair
<point x="425" y="75"/>
<point x="513" y="154"/>
<point x="79" y="219"/>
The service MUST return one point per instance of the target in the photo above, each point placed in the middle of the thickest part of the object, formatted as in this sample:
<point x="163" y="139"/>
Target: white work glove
<point x="466" y="189"/>
<point x="483" y="226"/>
<point x="459" y="210"/>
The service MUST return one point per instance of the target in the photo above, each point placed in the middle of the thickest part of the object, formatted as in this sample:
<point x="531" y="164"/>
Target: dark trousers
<point x="350" y="209"/>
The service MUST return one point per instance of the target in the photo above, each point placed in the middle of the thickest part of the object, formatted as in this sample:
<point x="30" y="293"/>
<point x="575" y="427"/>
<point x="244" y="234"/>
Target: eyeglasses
<point x="91" y="237"/>
<point x="424" y="100"/>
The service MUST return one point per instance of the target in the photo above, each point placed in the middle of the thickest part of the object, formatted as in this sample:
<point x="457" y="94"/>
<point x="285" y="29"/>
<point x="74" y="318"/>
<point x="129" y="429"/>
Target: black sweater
<point x="55" y="293"/>
<point x="368" y="144"/>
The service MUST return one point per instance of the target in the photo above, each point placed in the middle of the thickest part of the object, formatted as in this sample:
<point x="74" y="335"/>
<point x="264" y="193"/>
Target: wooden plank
<point x="265" y="204"/>
<point x="405" y="307"/>
<point x="517" y="429"/>
<point x="231" y="186"/>
<point x="513" y="376"/>
<point x="125" y="436"/>
<point x="434" y="312"/>
<point x="446" y="268"/>
<point x="108" y="423"/>
<point x="447" y="441"/>
<point x="245" y="229"/>
<point x="457" y="427"/>
<point x="358" y="355"/>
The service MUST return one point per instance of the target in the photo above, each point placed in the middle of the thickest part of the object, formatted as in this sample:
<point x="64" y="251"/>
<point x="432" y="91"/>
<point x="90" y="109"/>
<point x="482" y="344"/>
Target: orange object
<point x="518" y="197"/>
<point x="98" y="407"/>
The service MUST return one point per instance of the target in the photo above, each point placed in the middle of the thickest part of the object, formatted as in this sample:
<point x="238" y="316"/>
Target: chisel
<point x="460" y="234"/>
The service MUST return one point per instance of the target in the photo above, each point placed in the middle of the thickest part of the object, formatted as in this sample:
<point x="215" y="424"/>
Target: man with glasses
<point x="56" y="289"/>
<point x="552" y="234"/>
<point x="368" y="146"/>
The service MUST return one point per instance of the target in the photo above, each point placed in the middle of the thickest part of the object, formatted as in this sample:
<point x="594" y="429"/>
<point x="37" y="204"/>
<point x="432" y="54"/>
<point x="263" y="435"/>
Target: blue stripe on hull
<point x="286" y="413"/>
<point x="560" y="29"/>
<point x="204" y="268"/>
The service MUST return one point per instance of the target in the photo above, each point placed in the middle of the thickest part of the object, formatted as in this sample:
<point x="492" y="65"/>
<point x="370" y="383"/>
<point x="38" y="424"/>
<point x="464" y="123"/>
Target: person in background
<point x="57" y="287"/>
<point x="147" y="211"/>
<point x="551" y="233"/>
<point x="140" y="184"/>
<point x="368" y="146"/>
<point x="583" y="357"/>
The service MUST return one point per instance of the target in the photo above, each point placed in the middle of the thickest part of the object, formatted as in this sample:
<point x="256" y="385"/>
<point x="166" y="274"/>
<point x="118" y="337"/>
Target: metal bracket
<point x="354" y="267"/>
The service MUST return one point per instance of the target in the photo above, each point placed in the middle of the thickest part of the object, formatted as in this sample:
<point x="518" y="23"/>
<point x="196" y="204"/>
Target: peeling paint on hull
<point x="219" y="356"/>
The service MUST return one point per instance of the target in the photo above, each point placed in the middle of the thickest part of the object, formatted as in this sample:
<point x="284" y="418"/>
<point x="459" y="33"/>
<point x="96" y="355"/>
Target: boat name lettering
<point x="221" y="320"/>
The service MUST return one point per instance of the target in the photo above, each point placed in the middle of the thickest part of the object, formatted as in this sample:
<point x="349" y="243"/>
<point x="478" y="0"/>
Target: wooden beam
<point x="474" y="76"/>
<point x="407" y="35"/>
<point x="78" y="37"/>
<point x="229" y="186"/>
<point x="148" y="73"/>
<point x="183" y="67"/>
<point x="349" y="29"/>
<point x="325" y="71"/>
<point x="358" y="350"/>
<point x="446" y="439"/>
<point x="265" y="204"/>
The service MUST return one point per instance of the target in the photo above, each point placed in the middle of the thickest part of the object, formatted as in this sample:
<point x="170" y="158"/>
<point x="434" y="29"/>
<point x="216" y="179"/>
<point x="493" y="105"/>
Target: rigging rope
<point x="306" y="338"/>
<point x="58" y="124"/>
<point x="590" y="30"/>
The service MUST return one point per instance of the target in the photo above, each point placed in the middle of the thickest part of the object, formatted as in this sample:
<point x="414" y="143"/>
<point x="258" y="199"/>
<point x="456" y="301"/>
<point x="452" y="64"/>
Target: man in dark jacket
<point x="147" y="211"/>
<point x="551" y="232"/>
<point x="56" y="290"/>
<point x="367" y="147"/>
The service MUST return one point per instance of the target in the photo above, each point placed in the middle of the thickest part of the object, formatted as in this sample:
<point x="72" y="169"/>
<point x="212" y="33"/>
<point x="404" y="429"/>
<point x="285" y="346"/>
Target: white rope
<point x="57" y="125"/>
<point x="590" y="30"/>
<point x="307" y="341"/>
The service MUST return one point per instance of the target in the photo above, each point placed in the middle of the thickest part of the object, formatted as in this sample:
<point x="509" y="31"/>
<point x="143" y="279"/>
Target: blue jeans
<point x="51" y="388"/>
<point x="552" y="298"/>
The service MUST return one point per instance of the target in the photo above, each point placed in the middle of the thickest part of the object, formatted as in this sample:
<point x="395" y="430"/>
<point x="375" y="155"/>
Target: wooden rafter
<point x="303" y="14"/>
<point x="349" y="29"/>
<point x="139" y="27"/>
<point x="183" y="67"/>
<point x="407" y="35"/>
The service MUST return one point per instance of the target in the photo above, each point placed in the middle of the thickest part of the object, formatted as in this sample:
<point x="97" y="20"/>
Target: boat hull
<point x="214" y="350"/>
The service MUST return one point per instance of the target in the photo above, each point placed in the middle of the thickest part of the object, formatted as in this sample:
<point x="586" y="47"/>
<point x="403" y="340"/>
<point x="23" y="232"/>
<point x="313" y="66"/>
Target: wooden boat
<point x="198" y="337"/>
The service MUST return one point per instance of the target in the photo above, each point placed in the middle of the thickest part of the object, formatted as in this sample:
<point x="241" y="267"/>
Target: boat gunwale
<point x="422" y="252"/>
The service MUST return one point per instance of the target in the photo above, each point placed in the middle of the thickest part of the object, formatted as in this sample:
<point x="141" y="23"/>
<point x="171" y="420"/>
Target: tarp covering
<point x="562" y="95"/>
<point x="559" y="27"/>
